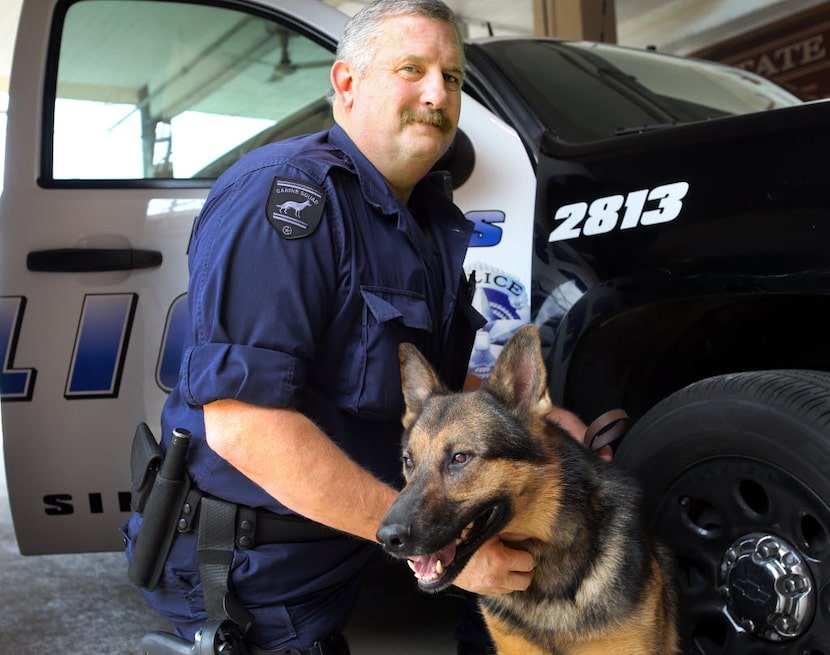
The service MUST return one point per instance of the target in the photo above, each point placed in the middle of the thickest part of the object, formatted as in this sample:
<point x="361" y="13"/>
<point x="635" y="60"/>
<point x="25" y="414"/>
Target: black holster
<point x="160" y="485"/>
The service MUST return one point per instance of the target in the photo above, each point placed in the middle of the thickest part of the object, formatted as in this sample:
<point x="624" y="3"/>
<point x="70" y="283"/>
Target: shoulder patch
<point x="294" y="207"/>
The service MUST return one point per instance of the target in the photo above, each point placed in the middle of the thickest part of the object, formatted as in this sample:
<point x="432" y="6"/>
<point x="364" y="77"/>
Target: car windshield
<point x="588" y="91"/>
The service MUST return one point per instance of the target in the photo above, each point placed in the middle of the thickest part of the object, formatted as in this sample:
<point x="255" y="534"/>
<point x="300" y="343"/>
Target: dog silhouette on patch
<point x="296" y="207"/>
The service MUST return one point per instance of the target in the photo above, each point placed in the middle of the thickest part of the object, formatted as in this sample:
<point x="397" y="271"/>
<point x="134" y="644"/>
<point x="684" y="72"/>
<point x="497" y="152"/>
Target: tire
<point x="736" y="475"/>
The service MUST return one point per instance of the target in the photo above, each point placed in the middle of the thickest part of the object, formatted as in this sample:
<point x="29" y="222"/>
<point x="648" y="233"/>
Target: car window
<point x="586" y="91"/>
<point x="165" y="90"/>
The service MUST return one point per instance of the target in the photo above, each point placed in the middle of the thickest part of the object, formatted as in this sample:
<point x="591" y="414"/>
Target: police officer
<point x="310" y="262"/>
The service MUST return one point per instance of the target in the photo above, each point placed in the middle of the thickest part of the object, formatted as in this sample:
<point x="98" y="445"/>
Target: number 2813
<point x="624" y="211"/>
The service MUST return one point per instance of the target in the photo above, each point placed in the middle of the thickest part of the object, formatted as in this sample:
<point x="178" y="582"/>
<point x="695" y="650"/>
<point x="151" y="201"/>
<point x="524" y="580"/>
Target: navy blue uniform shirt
<point x="306" y="272"/>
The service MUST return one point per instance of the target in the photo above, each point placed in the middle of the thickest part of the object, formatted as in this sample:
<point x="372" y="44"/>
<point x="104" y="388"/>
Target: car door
<point x="121" y="114"/>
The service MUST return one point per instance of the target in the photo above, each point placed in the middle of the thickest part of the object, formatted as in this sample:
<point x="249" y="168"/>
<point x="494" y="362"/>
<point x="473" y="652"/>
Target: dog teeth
<point x="465" y="533"/>
<point x="427" y="577"/>
<point x="459" y="541"/>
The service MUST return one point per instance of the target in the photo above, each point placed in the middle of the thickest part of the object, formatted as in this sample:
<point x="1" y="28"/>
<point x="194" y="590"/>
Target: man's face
<point x="406" y="106"/>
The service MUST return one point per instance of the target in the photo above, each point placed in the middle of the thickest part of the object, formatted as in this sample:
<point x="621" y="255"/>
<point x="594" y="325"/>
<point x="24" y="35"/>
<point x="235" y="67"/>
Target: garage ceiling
<point x="677" y="26"/>
<point x="674" y="26"/>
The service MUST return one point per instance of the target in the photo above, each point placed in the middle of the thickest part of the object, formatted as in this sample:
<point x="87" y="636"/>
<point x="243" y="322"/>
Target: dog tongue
<point x="424" y="566"/>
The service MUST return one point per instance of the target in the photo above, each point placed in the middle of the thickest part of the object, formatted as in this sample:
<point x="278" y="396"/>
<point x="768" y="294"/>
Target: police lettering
<point x="501" y="281"/>
<point x="63" y="504"/>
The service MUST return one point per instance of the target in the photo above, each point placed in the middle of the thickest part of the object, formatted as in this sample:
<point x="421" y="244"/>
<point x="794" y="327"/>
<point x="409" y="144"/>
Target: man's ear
<point x="342" y="81"/>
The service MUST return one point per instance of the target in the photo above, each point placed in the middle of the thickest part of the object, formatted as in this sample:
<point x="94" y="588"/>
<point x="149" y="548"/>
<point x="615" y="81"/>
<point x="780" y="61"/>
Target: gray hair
<point x="357" y="43"/>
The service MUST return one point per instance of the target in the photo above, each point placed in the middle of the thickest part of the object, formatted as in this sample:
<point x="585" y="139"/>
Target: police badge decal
<point x="294" y="207"/>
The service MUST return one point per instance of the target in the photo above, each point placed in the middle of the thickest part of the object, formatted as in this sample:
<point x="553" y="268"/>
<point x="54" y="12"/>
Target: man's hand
<point x="498" y="568"/>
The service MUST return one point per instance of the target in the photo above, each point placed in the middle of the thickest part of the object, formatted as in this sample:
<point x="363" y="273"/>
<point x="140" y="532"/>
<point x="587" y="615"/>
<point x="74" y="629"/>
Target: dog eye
<point x="407" y="462"/>
<point x="461" y="458"/>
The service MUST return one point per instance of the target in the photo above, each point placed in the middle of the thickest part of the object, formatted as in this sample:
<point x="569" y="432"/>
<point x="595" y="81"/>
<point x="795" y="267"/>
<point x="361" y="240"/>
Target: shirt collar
<point x="375" y="188"/>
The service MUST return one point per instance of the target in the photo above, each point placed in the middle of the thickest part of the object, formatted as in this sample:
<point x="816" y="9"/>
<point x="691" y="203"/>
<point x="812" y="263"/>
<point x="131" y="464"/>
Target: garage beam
<point x="592" y="20"/>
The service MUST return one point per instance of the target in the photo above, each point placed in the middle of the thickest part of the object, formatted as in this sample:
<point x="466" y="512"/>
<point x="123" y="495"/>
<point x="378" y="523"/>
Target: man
<point x="310" y="262"/>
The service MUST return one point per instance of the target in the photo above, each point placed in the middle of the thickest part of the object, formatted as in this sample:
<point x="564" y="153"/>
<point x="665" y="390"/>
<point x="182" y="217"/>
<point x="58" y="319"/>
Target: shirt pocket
<point x="390" y="317"/>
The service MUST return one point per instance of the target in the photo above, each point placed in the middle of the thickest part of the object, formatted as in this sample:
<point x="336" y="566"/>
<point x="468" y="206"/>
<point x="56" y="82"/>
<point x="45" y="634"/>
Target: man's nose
<point x="434" y="92"/>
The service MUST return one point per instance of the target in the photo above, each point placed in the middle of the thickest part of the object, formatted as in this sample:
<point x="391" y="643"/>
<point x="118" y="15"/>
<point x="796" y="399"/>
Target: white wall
<point x="9" y="14"/>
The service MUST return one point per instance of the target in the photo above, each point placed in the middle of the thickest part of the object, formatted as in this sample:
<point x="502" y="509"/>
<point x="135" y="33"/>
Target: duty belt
<point x="252" y="527"/>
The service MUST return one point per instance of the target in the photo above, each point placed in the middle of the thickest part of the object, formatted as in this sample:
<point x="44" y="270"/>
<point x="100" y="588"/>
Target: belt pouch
<point x="145" y="461"/>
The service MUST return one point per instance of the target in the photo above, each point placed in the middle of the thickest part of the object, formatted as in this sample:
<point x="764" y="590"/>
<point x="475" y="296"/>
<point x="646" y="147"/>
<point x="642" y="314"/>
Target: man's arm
<point x="287" y="455"/>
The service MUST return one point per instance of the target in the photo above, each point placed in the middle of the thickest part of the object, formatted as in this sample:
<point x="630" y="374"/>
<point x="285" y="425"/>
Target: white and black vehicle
<point x="665" y="223"/>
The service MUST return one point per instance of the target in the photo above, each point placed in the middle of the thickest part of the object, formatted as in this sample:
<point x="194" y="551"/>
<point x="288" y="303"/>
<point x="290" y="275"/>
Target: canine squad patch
<point x="294" y="207"/>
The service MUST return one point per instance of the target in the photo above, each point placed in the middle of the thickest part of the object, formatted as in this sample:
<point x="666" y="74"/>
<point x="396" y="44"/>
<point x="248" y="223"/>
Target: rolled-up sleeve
<point x="258" y="302"/>
<point x="258" y="376"/>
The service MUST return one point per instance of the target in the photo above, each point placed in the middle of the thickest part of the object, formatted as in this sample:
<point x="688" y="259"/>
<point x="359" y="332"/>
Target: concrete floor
<point x="84" y="605"/>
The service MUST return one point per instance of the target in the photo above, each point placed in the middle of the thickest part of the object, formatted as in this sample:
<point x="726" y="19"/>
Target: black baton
<point x="161" y="514"/>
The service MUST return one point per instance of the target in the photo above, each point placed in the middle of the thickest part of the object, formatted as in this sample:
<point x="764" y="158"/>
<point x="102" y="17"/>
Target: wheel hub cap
<point x="769" y="589"/>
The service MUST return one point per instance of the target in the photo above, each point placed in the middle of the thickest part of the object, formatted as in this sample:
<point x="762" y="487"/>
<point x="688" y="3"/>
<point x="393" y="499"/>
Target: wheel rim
<point x="768" y="587"/>
<point x="753" y="550"/>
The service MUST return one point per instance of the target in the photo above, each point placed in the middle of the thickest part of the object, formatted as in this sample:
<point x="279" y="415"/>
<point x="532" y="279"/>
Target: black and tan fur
<point x="485" y="462"/>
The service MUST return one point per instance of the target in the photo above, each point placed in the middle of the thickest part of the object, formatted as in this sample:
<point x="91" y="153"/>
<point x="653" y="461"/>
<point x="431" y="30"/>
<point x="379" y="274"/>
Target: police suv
<point x="665" y="223"/>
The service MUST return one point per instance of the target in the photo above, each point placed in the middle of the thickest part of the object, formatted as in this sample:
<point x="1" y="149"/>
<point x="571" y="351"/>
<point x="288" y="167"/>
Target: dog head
<point x="467" y="459"/>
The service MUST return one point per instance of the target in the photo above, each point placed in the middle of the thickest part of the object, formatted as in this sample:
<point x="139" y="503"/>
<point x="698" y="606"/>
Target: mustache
<point x="434" y="117"/>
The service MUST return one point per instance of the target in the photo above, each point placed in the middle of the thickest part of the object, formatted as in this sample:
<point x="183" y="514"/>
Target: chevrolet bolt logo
<point x="751" y="591"/>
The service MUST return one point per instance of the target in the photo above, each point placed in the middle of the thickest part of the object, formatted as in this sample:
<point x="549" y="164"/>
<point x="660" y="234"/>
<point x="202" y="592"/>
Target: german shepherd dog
<point x="480" y="463"/>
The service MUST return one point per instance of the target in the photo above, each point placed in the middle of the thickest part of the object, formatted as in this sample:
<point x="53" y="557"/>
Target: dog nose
<point x="394" y="536"/>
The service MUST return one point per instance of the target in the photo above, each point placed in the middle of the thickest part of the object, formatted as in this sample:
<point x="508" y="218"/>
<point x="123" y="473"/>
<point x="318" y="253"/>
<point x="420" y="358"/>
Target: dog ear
<point x="519" y="378"/>
<point x="418" y="381"/>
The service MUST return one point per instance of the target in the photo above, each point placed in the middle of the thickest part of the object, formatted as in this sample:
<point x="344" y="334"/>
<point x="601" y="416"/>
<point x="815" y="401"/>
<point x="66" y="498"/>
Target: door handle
<point x="91" y="260"/>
